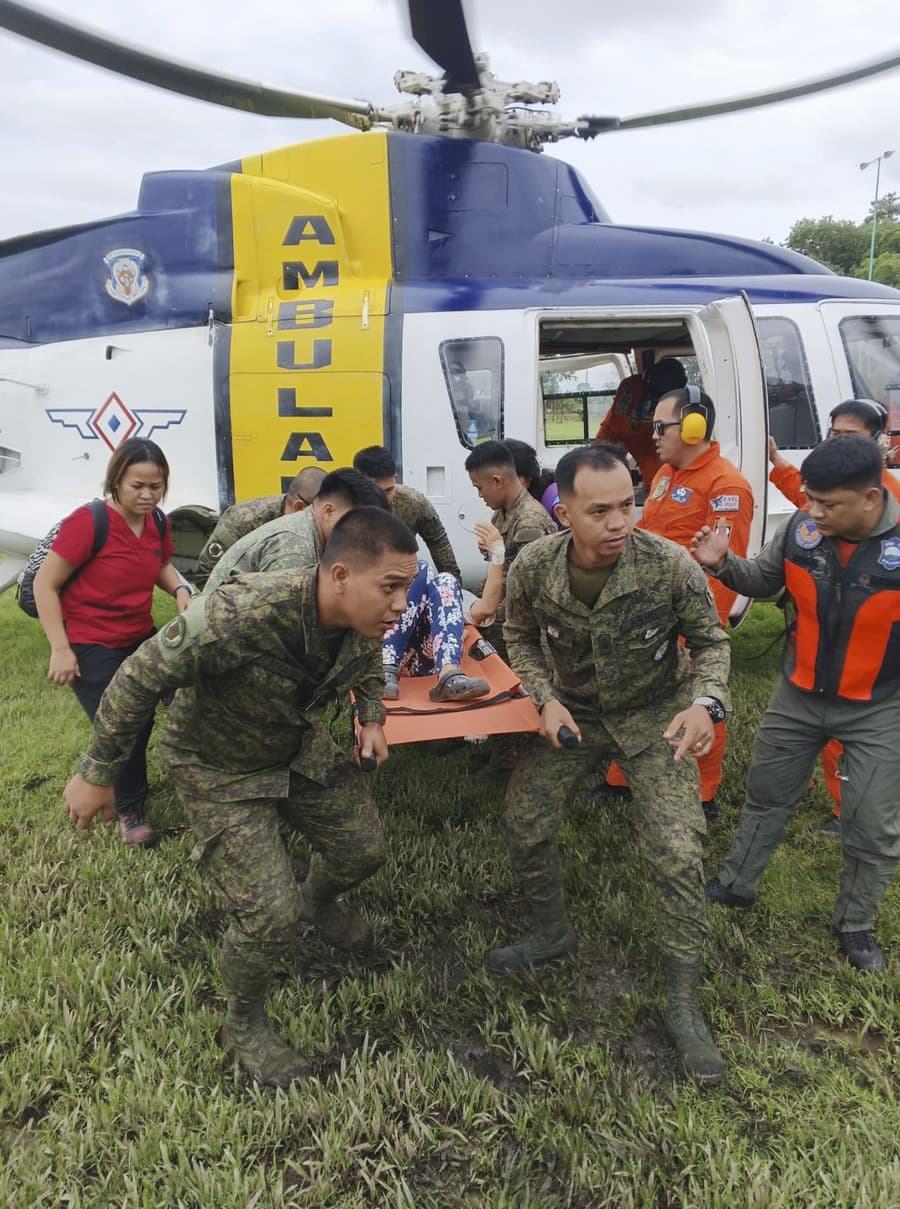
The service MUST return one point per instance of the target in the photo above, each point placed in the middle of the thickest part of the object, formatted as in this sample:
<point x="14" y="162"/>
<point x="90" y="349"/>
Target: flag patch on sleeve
<point x="725" y="503"/>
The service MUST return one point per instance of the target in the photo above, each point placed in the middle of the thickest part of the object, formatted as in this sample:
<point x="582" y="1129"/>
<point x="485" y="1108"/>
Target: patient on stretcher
<point x="427" y="638"/>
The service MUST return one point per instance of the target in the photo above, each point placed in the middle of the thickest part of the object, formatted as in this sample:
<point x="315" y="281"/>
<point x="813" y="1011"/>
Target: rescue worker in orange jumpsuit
<point x="695" y="486"/>
<point x="629" y="421"/>
<point x="869" y="419"/>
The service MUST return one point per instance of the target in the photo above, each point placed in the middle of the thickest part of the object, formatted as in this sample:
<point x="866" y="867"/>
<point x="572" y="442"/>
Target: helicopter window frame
<point x="463" y="413"/>
<point x="858" y="332"/>
<point x="807" y="432"/>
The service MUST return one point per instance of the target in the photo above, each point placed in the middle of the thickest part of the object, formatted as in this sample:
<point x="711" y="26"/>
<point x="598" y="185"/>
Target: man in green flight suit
<point x="247" y="751"/>
<point x="594" y="616"/>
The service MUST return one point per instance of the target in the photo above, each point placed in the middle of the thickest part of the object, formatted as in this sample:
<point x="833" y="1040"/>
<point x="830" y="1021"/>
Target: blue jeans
<point x="97" y="666"/>
<point x="428" y="635"/>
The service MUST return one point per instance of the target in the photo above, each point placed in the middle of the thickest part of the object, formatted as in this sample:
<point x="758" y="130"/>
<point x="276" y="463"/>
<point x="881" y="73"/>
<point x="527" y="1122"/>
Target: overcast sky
<point x="75" y="139"/>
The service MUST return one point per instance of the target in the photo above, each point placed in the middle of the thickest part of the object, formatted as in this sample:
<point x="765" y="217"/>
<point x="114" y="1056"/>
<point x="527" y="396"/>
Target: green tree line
<point x="843" y="245"/>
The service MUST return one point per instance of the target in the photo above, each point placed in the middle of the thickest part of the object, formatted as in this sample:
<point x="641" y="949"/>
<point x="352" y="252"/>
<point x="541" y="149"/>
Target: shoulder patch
<point x="661" y="487"/>
<point x="725" y="503"/>
<point x="174" y="633"/>
<point x="889" y="558"/>
<point x="807" y="535"/>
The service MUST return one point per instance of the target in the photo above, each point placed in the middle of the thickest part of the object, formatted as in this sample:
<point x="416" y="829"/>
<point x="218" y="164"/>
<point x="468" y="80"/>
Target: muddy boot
<point x="700" y="1059"/>
<point x="338" y="923"/>
<point x="551" y="938"/>
<point x="247" y="1034"/>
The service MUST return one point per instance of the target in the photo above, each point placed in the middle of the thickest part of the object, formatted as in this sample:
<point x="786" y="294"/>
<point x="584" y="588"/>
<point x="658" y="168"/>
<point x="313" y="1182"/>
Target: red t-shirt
<point x="109" y="603"/>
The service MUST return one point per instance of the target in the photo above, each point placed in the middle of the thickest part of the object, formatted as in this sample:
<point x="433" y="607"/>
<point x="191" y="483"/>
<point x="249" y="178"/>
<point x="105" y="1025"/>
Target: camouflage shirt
<point x="232" y="525"/>
<point x="254" y="669"/>
<point x="622" y="657"/>
<point x="418" y="513"/>
<point x="525" y="521"/>
<point x="285" y="544"/>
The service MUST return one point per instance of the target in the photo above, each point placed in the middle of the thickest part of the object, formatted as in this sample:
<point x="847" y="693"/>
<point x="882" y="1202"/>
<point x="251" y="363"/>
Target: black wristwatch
<point x="714" y="708"/>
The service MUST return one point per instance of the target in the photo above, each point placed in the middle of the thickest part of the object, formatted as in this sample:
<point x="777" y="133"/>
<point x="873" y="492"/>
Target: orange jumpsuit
<point x="625" y="423"/>
<point x="707" y="492"/>
<point x="789" y="482"/>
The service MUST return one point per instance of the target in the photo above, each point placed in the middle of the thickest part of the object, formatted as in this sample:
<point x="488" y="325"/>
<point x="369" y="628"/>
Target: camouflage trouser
<point x="670" y="823"/>
<point x="240" y="847"/>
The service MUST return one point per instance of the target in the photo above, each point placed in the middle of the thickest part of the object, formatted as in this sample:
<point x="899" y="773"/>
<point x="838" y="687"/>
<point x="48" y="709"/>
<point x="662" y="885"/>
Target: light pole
<point x="885" y="155"/>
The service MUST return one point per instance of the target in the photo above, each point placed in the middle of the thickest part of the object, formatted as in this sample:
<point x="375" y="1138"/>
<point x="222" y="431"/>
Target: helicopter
<point x="427" y="282"/>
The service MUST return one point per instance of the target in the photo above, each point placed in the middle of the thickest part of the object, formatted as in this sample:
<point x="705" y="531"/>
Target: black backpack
<point x="25" y="589"/>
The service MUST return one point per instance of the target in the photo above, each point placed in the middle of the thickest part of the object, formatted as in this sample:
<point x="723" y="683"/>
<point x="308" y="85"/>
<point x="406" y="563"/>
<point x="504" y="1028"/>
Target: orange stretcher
<point x="507" y="709"/>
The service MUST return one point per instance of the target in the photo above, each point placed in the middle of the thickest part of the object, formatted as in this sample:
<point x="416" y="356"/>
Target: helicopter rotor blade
<point x="439" y="27"/>
<point x="589" y="126"/>
<point x="82" y="43"/>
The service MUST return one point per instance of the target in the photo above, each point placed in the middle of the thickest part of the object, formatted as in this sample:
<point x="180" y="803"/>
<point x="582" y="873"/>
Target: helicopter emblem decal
<point x="127" y="281"/>
<point x="113" y="422"/>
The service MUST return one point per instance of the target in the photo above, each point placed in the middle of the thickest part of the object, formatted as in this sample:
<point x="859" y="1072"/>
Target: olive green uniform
<point x="524" y="522"/>
<point x="232" y="525"/>
<point x="246" y="749"/>
<point x="284" y="544"/>
<point x="619" y="669"/>
<point x="418" y="513"/>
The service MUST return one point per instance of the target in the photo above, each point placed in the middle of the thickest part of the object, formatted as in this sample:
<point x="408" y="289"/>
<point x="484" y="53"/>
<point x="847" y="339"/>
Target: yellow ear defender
<point x="694" y="424"/>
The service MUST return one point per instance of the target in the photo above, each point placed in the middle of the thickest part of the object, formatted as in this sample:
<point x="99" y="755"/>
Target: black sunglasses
<point x="659" y="426"/>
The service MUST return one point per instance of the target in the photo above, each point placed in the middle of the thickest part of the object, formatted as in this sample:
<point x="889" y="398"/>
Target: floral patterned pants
<point x="429" y="634"/>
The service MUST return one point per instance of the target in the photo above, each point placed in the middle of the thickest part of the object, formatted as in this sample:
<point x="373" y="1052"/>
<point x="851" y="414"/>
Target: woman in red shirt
<point x="95" y="620"/>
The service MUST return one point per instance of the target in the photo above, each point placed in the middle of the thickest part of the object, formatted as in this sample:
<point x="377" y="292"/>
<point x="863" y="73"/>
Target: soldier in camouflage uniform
<point x="243" y="518"/>
<point x="593" y="622"/>
<point x="410" y="506"/>
<point x="518" y="517"/>
<point x="298" y="539"/>
<point x="245" y="746"/>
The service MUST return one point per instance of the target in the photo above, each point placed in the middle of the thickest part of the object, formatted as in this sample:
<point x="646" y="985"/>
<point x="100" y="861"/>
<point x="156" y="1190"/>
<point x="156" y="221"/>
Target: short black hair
<point x="305" y="485"/>
<point x="703" y="407"/>
<point x="525" y="461"/>
<point x="352" y="488"/>
<point x="130" y="453"/>
<point x="853" y="462"/>
<point x="664" y="376"/>
<point x="870" y="413"/>
<point x="375" y="462"/>
<point x="494" y="454"/>
<point x="602" y="455"/>
<point x="362" y="535"/>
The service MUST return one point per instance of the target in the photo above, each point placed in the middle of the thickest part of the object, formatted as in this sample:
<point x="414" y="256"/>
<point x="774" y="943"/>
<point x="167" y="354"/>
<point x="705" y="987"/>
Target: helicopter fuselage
<point x="420" y="293"/>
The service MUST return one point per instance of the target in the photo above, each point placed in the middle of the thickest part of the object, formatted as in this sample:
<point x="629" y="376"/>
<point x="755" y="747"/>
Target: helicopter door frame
<point x="726" y="345"/>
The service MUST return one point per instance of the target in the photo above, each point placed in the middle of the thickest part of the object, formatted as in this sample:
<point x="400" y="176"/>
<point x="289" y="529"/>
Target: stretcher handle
<point x="567" y="737"/>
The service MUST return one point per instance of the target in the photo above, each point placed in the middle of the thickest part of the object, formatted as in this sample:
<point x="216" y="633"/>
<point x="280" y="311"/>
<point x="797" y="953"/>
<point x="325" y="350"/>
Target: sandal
<point x="391" y="684"/>
<point x="457" y="686"/>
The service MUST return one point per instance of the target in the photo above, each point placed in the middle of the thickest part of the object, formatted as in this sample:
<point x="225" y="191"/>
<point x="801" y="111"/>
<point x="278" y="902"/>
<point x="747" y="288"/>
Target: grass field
<point x="437" y="1086"/>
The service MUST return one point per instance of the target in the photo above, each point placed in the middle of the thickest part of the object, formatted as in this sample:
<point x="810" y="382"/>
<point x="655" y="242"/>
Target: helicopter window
<point x="872" y="345"/>
<point x="792" y="414"/>
<point x="576" y="402"/>
<point x="473" y="371"/>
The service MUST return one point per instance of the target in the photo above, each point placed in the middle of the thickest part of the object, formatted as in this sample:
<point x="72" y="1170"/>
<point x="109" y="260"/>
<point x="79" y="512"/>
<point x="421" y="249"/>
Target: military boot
<point x="700" y="1059"/>
<point x="551" y="938"/>
<point x="338" y="923"/>
<point x="248" y="1036"/>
